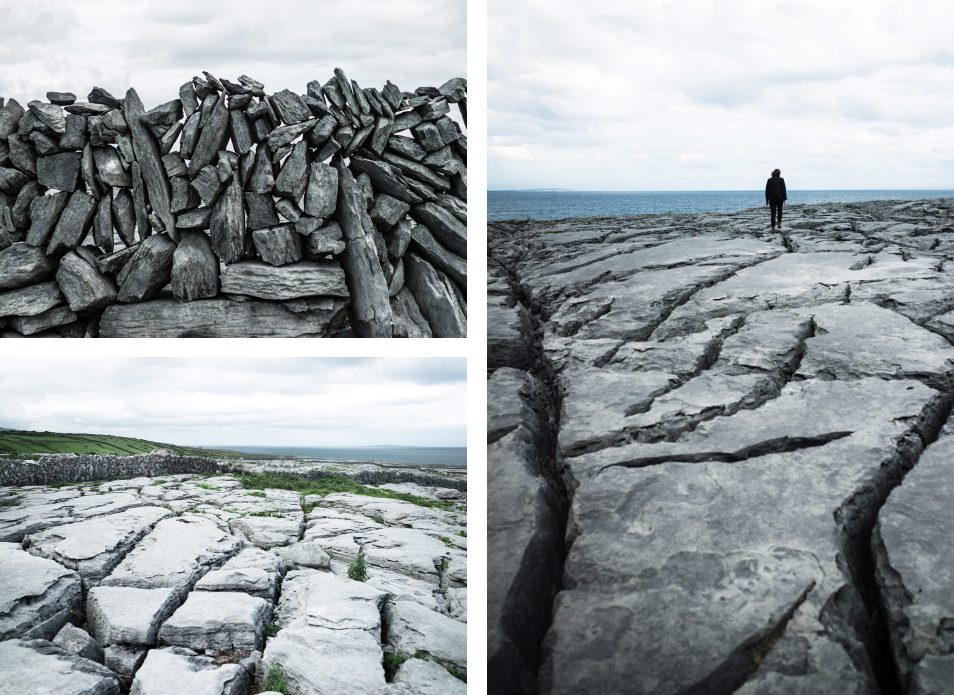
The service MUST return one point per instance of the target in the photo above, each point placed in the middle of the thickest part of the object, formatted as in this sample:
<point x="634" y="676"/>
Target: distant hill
<point x="14" y="442"/>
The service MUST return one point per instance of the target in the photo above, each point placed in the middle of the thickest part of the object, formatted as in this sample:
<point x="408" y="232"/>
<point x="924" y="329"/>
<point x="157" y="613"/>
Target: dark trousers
<point x="776" y="205"/>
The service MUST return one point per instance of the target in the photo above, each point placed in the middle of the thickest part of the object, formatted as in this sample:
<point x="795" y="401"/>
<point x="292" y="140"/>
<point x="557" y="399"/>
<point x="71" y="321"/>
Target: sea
<point x="555" y="205"/>
<point x="414" y="455"/>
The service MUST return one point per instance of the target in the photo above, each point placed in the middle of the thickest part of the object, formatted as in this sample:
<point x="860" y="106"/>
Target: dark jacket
<point x="775" y="189"/>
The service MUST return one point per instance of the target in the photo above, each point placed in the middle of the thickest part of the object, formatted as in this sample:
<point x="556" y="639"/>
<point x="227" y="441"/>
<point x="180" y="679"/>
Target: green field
<point x="18" y="442"/>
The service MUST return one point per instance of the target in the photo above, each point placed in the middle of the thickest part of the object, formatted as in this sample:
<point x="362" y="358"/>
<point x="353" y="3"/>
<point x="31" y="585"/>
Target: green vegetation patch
<point x="392" y="662"/>
<point x="22" y="442"/>
<point x="328" y="485"/>
<point x="357" y="570"/>
<point x="275" y="679"/>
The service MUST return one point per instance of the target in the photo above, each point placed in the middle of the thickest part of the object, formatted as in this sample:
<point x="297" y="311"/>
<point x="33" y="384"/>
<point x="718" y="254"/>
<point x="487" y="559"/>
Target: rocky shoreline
<point x="717" y="453"/>
<point x="197" y="583"/>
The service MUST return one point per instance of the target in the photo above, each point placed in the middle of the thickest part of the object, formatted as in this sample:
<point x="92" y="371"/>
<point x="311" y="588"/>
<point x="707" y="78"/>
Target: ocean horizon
<point x="411" y="455"/>
<point x="560" y="204"/>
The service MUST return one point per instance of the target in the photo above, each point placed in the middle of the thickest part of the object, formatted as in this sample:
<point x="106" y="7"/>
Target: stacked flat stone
<point x="229" y="212"/>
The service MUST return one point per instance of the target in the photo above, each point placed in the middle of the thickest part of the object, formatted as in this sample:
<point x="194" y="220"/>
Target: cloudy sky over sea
<point x="156" y="46"/>
<point x="697" y="94"/>
<point x="278" y="402"/>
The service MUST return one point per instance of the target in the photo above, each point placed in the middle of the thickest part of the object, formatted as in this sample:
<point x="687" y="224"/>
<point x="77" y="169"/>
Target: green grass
<point x="22" y="442"/>
<point x="208" y="486"/>
<point x="255" y="493"/>
<point x="448" y="542"/>
<point x="462" y="534"/>
<point x="276" y="513"/>
<point x="357" y="570"/>
<point x="378" y="519"/>
<point x="275" y="680"/>
<point x="392" y="662"/>
<point x="329" y="484"/>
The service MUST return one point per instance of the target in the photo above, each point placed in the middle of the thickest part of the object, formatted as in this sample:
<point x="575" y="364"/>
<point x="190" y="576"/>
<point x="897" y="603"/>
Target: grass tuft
<point x="357" y="570"/>
<point x="275" y="679"/>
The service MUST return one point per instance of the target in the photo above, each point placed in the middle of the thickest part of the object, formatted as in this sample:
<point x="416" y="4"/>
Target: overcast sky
<point x="156" y="46"/>
<point x="696" y="94"/>
<point x="262" y="401"/>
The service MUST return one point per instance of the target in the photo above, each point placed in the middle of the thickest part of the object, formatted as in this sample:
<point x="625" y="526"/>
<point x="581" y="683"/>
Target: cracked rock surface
<point x="693" y="426"/>
<point x="188" y="583"/>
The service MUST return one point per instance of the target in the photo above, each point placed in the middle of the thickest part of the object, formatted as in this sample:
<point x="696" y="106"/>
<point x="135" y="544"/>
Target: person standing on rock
<point x="775" y="196"/>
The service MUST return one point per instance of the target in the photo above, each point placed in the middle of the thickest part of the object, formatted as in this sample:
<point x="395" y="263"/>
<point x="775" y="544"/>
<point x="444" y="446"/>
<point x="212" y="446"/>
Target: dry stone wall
<point x="229" y="212"/>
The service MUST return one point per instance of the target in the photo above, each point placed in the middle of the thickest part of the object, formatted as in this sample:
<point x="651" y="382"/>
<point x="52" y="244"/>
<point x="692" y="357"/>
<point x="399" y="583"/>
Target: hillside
<point x="17" y="442"/>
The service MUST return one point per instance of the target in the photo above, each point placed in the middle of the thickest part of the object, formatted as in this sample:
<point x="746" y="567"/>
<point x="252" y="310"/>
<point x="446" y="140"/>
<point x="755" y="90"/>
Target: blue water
<point x="555" y="205"/>
<point x="417" y="455"/>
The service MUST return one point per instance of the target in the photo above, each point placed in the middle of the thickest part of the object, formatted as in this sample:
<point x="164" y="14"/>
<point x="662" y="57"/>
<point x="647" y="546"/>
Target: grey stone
<point x="79" y="642"/>
<point x="98" y="95"/>
<point x="22" y="154"/>
<point x="253" y="571"/>
<point x="292" y="177"/>
<point x="227" y="225"/>
<point x="412" y="628"/>
<point x="51" y="318"/>
<point x="408" y="320"/>
<point x="147" y="271"/>
<point x="85" y="288"/>
<point x="110" y="168"/>
<point x="303" y="279"/>
<point x="37" y="666"/>
<point x="385" y="178"/>
<point x="139" y="202"/>
<point x="436" y="298"/>
<point x="50" y="115"/>
<point x="330" y="636"/>
<point x="37" y="596"/>
<point x="261" y="210"/>
<point x="428" y="248"/>
<point x="12" y="180"/>
<point x="10" y="114"/>
<point x="164" y="114"/>
<point x="239" y="132"/>
<point x="195" y="268"/>
<point x="81" y="108"/>
<point x="446" y="228"/>
<point x="284" y="135"/>
<point x="212" y="137"/>
<point x="400" y="238"/>
<point x="175" y="669"/>
<point x="174" y="555"/>
<point x="387" y="211"/>
<point x="278" y="245"/>
<point x="428" y="678"/>
<point x="30" y="301"/>
<point x="220" y="318"/>
<point x="322" y="190"/>
<point x="59" y="171"/>
<point x="218" y="622"/>
<point x="128" y="615"/>
<point x="208" y="184"/>
<point x="92" y="547"/>
<point x="103" y="223"/>
<point x="125" y="216"/>
<point x="22" y="264"/>
<point x="147" y="155"/>
<point x="370" y="309"/>
<point x="407" y="147"/>
<point x="290" y="107"/>
<point x="325" y="240"/>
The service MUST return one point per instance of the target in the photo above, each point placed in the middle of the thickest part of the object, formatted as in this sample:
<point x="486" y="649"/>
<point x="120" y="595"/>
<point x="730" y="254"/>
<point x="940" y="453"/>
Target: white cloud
<point x="293" y="402"/>
<point x="156" y="46"/>
<point x="848" y="95"/>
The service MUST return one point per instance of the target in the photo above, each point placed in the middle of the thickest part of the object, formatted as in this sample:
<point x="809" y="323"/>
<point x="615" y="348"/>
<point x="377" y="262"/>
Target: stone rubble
<point x="718" y="455"/>
<point x="229" y="212"/>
